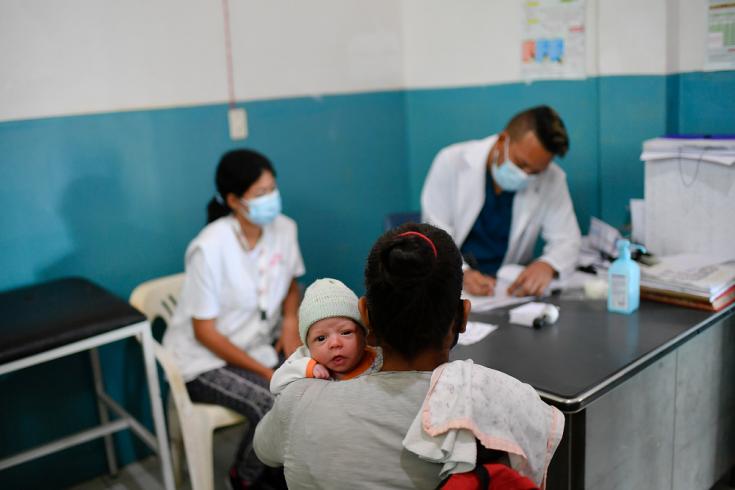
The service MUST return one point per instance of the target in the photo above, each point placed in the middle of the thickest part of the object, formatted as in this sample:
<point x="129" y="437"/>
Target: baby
<point x="334" y="338"/>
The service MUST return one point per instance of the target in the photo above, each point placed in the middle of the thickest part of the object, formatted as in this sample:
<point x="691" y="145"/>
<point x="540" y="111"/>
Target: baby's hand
<point x="321" y="372"/>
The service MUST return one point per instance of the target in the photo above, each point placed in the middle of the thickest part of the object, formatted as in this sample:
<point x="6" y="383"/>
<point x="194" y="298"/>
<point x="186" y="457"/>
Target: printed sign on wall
<point x="720" y="35"/>
<point x="553" y="40"/>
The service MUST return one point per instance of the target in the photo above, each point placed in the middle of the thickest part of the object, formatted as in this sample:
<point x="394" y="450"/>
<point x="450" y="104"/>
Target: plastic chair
<point x="396" y="219"/>
<point x="193" y="424"/>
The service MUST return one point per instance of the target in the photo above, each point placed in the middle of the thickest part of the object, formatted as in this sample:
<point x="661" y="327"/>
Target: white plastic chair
<point x="192" y="424"/>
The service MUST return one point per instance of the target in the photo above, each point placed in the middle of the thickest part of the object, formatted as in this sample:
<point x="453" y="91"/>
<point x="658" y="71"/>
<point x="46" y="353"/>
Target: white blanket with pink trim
<point x="467" y="402"/>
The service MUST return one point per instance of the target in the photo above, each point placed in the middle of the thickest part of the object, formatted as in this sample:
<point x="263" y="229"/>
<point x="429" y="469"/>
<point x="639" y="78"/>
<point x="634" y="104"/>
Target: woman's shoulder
<point x="214" y="234"/>
<point x="295" y="391"/>
<point x="478" y="378"/>
<point x="283" y="223"/>
<point x="216" y="228"/>
<point x="405" y="382"/>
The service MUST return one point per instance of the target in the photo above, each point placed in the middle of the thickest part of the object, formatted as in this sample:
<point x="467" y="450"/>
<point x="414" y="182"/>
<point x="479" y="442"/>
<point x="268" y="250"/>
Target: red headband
<point x="423" y="237"/>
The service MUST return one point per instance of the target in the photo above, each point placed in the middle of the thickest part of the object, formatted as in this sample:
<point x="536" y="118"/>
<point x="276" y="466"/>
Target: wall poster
<point x="553" y="39"/>
<point x="720" y="49"/>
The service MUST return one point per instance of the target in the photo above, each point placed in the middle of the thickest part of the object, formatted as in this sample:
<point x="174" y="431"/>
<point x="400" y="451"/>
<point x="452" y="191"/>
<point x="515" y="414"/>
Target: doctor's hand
<point x="533" y="280"/>
<point x="477" y="283"/>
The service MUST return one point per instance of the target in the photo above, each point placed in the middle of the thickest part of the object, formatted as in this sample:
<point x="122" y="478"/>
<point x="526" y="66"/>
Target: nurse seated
<point x="239" y="302"/>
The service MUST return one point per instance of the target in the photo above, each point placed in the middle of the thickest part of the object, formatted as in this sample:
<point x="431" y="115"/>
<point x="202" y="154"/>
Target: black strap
<point x="482" y="475"/>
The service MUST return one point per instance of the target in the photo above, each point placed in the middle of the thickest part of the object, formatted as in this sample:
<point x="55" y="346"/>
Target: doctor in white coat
<point x="496" y="195"/>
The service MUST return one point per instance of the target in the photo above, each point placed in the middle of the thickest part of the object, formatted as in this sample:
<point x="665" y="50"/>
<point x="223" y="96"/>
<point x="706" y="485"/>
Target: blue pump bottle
<point x="624" y="281"/>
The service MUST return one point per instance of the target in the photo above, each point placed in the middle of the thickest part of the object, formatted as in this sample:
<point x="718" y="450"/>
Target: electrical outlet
<point x="238" y="120"/>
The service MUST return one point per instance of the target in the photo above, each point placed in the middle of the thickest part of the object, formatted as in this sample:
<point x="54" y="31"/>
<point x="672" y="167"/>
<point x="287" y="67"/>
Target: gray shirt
<point x="347" y="434"/>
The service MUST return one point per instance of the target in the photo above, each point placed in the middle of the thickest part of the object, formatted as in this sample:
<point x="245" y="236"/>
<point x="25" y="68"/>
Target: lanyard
<point x="260" y="272"/>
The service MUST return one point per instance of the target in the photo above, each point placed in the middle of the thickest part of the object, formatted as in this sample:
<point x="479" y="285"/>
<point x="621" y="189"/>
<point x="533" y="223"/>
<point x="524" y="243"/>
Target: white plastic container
<point x="690" y="196"/>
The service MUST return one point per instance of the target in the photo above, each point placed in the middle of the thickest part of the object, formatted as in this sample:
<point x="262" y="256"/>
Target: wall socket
<point x="238" y="120"/>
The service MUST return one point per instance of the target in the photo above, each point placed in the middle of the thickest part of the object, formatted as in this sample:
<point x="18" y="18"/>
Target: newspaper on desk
<point x="700" y="275"/>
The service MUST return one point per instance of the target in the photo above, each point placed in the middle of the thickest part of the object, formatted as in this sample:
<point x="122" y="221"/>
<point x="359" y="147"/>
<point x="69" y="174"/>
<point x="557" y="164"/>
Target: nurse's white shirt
<point x="243" y="289"/>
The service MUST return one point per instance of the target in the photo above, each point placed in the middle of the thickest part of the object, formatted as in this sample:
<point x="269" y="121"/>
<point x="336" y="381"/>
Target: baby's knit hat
<point x="326" y="298"/>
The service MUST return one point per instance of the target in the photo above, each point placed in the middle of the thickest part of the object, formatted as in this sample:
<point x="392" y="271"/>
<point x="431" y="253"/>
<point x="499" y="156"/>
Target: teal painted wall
<point x="632" y="110"/>
<point x="117" y="197"/>
<point x="706" y="102"/>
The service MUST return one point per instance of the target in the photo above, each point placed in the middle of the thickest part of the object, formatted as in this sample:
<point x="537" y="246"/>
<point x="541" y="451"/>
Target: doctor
<point x="494" y="196"/>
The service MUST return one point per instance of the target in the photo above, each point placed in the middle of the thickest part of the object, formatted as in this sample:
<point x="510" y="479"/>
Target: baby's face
<point x="337" y="343"/>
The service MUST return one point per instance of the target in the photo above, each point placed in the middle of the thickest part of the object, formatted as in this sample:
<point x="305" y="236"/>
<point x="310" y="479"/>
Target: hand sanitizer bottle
<point x="624" y="281"/>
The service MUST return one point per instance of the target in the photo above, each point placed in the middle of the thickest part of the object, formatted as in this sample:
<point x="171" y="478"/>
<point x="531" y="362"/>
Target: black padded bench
<point x="62" y="317"/>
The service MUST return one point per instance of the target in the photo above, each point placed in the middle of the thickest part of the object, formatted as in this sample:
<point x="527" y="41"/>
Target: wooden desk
<point x="59" y="318"/>
<point x="648" y="398"/>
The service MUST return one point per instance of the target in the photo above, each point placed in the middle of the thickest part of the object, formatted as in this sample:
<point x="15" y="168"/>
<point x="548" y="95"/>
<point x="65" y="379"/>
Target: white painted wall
<point x="470" y="42"/>
<point x="82" y="56"/>
<point x="290" y="48"/>
<point x="691" y="36"/>
<point x="652" y="36"/>
<point x="632" y="37"/>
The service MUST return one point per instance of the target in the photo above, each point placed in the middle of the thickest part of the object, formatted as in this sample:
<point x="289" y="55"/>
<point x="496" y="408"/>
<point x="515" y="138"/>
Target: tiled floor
<point x="146" y="474"/>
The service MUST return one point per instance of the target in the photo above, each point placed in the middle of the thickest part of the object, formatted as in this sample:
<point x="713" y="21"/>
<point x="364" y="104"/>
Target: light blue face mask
<point x="264" y="209"/>
<point x="508" y="175"/>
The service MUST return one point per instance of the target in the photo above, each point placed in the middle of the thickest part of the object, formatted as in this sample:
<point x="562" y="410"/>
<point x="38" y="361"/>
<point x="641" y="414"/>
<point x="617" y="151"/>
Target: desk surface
<point x="45" y="316"/>
<point x="588" y="351"/>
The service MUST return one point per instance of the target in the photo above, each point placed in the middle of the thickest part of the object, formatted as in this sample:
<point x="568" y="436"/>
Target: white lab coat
<point x="454" y="193"/>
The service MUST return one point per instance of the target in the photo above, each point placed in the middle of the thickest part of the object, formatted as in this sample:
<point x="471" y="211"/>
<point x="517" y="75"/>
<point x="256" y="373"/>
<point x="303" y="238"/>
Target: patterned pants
<point x="244" y="392"/>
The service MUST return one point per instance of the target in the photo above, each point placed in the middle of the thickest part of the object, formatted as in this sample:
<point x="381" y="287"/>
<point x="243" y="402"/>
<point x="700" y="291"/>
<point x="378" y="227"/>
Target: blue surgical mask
<point x="508" y="175"/>
<point x="264" y="209"/>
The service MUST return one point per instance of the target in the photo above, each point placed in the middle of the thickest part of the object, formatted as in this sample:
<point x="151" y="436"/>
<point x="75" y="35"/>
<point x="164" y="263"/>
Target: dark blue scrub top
<point x="487" y="242"/>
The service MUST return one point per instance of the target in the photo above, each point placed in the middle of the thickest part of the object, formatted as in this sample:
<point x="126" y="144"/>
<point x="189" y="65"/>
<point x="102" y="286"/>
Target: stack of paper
<point x="690" y="280"/>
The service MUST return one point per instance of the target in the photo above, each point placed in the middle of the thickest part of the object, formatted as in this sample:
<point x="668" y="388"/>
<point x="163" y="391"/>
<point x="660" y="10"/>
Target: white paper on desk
<point x="590" y="256"/>
<point x="475" y="332"/>
<point x="487" y="303"/>
<point x="499" y="299"/>
<point x="508" y="273"/>
<point x="505" y="277"/>
<point x="603" y="237"/>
